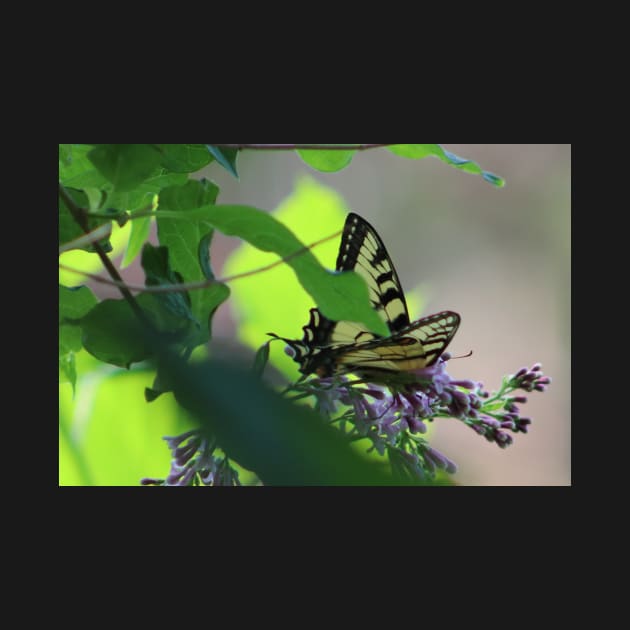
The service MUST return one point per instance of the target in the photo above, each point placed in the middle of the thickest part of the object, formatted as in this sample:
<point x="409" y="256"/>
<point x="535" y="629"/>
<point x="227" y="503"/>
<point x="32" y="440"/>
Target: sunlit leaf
<point x="417" y="151"/>
<point x="326" y="161"/>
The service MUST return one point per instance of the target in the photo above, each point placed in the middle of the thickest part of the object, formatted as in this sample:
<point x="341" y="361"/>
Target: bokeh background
<point x="499" y="257"/>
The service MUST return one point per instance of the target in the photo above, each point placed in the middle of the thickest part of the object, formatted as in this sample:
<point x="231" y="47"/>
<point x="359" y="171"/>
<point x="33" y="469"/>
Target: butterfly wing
<point x="417" y="346"/>
<point x="336" y="347"/>
<point x="363" y="251"/>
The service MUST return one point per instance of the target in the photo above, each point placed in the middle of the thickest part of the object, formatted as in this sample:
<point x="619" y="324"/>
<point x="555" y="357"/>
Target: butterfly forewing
<point x="363" y="251"/>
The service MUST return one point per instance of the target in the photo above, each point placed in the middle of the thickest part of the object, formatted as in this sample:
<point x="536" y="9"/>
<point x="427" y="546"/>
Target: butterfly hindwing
<point x="417" y="346"/>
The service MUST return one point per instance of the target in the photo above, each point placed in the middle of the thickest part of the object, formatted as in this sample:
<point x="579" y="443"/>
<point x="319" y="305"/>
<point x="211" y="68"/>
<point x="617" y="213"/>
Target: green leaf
<point x="155" y="262"/>
<point x="184" y="158"/>
<point x="326" y="161"/>
<point x="140" y="230"/>
<point x="68" y="370"/>
<point x="69" y="229"/>
<point x="96" y="198"/>
<point x="417" y="151"/>
<point x="142" y="197"/>
<point x="225" y="157"/>
<point x="125" y="165"/>
<point x="261" y="359"/>
<point x="188" y="243"/>
<point x="204" y="255"/>
<point x="192" y="194"/>
<point x="74" y="303"/>
<point x="81" y="173"/>
<point x="65" y="155"/>
<point x="338" y="295"/>
<point x="113" y="334"/>
<point x="76" y="170"/>
<point x="278" y="304"/>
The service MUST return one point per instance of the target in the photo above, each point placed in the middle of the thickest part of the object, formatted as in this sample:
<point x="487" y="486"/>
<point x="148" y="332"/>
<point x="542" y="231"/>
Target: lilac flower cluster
<point x="393" y="417"/>
<point x="194" y="464"/>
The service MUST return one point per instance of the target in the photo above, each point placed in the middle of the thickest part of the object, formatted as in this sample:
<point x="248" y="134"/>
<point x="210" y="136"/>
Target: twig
<point x="194" y="286"/>
<point x="101" y="232"/>
<point x="313" y="147"/>
<point x="79" y="216"/>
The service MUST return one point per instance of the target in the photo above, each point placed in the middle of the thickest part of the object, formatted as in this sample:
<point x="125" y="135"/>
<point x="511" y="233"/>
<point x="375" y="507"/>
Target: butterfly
<point x="332" y="347"/>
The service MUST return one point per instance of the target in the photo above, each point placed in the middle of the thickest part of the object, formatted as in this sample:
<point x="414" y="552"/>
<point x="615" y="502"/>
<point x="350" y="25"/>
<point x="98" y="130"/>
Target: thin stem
<point x="193" y="286"/>
<point x="313" y="147"/>
<point x="79" y="216"/>
<point x="101" y="232"/>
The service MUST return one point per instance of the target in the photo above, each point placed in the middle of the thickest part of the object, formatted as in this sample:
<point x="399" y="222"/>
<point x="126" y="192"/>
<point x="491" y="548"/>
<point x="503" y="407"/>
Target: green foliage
<point x="225" y="157"/>
<point x="69" y="229"/>
<point x="326" y="161"/>
<point x="417" y="151"/>
<point x="108" y="421"/>
<point x="74" y="303"/>
<point x="263" y="307"/>
<point x="330" y="161"/>
<point x="125" y="165"/>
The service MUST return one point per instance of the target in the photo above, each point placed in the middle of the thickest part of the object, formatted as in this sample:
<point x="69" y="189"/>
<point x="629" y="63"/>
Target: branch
<point x="79" y="216"/>
<point x="194" y="286"/>
<point x="293" y="147"/>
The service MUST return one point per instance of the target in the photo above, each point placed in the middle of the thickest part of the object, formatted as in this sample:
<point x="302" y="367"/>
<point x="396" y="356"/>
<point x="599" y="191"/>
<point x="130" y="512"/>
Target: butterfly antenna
<point x="462" y="356"/>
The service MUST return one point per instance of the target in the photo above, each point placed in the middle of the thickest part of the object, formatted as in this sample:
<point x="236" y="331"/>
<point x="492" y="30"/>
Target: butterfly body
<point x="338" y="347"/>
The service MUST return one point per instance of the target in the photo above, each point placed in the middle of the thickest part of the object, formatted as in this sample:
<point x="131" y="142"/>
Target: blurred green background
<point x="499" y="257"/>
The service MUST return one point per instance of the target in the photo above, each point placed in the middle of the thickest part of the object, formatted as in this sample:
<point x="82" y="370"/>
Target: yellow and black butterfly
<point x="338" y="347"/>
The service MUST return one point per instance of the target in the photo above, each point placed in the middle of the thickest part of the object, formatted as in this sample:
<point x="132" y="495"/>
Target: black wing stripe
<point x="363" y="251"/>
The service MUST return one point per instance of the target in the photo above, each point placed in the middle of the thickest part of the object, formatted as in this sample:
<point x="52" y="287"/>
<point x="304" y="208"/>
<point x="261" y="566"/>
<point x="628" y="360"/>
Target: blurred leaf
<point x="225" y="157"/>
<point x="417" y="151"/>
<point x="283" y="443"/>
<point x="184" y="158"/>
<point x="261" y="358"/>
<point x="109" y="436"/>
<point x="326" y="161"/>
<point x="125" y="165"/>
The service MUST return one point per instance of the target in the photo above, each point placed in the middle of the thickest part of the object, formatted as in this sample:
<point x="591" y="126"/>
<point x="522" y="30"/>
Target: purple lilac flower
<point x="393" y="417"/>
<point x="194" y="463"/>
